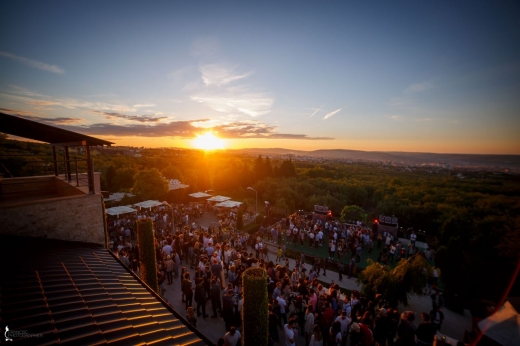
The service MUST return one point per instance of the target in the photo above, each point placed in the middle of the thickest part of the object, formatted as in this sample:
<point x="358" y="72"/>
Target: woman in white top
<point x="316" y="338"/>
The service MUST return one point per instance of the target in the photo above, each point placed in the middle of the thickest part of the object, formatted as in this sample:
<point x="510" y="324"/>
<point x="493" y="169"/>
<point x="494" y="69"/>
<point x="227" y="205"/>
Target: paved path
<point x="454" y="324"/>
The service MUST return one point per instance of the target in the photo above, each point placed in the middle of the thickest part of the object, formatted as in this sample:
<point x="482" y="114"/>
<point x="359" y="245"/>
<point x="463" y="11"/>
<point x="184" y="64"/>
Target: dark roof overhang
<point x="56" y="136"/>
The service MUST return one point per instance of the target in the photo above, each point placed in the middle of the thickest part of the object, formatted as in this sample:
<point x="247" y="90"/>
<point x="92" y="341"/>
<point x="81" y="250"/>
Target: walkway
<point x="454" y="324"/>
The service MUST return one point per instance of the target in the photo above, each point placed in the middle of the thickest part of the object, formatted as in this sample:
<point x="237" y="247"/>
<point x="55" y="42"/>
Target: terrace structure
<point x="60" y="283"/>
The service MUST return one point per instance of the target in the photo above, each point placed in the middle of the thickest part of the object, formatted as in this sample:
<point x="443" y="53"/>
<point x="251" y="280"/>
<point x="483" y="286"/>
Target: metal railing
<point x="75" y="171"/>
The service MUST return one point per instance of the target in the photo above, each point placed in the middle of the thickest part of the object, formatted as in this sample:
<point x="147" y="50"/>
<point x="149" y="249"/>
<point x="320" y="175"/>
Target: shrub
<point x="255" y="313"/>
<point x="147" y="253"/>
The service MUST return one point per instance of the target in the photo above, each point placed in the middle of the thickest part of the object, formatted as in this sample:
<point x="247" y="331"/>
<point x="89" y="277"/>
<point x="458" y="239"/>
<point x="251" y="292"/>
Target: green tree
<point x="353" y="212"/>
<point x="408" y="277"/>
<point x="286" y="169"/>
<point x="150" y="184"/>
<point x="173" y="172"/>
<point x="124" y="178"/>
<point x="111" y="173"/>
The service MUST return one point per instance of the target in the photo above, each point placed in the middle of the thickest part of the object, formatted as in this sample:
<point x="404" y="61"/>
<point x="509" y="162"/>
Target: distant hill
<point x="407" y="158"/>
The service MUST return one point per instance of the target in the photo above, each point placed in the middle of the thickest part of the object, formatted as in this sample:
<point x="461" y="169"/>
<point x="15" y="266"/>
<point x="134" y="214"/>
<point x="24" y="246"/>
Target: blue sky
<point x="388" y="76"/>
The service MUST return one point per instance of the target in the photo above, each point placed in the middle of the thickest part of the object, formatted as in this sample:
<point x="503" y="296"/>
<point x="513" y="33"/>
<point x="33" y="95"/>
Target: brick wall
<point x="75" y="218"/>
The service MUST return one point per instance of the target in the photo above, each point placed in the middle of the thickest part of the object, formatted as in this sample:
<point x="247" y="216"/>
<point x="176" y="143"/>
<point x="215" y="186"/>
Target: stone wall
<point x="75" y="218"/>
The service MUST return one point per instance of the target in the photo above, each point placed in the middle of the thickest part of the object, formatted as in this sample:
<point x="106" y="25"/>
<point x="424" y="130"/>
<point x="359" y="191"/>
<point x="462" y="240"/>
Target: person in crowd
<point x="190" y="316"/>
<point x="316" y="337"/>
<point x="426" y="331"/>
<point x="289" y="329"/>
<point x="232" y="337"/>
<point x="187" y="290"/>
<point x="200" y="298"/>
<point x="437" y="317"/>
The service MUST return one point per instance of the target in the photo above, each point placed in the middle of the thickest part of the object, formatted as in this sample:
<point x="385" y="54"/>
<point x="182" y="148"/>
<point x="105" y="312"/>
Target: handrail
<point x="61" y="168"/>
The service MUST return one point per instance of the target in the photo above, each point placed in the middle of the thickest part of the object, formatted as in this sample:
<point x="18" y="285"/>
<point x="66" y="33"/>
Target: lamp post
<point x="173" y="223"/>
<point x="256" y="195"/>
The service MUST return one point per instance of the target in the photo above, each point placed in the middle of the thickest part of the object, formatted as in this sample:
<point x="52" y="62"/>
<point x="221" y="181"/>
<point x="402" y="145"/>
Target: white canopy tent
<point x="199" y="195"/>
<point x="119" y="210"/>
<point x="229" y="204"/>
<point x="503" y="326"/>
<point x="175" y="184"/>
<point x="148" y="204"/>
<point x="117" y="196"/>
<point x="218" y="199"/>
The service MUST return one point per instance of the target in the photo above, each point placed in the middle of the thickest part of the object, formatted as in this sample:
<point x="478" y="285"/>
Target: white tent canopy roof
<point x="503" y="326"/>
<point x="117" y="196"/>
<point x="175" y="184"/>
<point x="199" y="195"/>
<point x="148" y="204"/>
<point x="119" y="210"/>
<point x="218" y="199"/>
<point x="229" y="204"/>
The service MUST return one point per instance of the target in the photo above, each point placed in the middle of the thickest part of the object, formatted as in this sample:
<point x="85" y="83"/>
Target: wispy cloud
<point x="328" y="115"/>
<point x="145" y="105"/>
<point x="221" y="92"/>
<point x="139" y="118"/>
<point x="35" y="99"/>
<point x="17" y="112"/>
<point x="316" y="111"/>
<point x="397" y="117"/>
<point x="181" y="129"/>
<point x="34" y="63"/>
<point x="51" y="121"/>
<point x="418" y="87"/>
<point x="180" y="72"/>
<point x="216" y="74"/>
<point x="252" y="104"/>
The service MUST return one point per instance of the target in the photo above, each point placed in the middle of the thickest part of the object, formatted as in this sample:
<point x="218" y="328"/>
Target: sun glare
<point x="208" y="141"/>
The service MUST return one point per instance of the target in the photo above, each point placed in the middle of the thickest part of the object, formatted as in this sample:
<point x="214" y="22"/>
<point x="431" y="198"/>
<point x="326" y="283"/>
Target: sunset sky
<point x="428" y="76"/>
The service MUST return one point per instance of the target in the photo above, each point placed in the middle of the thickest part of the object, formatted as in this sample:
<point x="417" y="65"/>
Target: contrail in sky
<point x="316" y="111"/>
<point x="331" y="113"/>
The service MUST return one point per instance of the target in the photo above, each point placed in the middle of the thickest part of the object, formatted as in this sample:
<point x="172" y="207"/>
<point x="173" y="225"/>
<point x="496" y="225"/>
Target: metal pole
<point x="65" y="166"/>
<point x="90" y="171"/>
<point x="77" y="177"/>
<point x="67" y="162"/>
<point x="55" y="161"/>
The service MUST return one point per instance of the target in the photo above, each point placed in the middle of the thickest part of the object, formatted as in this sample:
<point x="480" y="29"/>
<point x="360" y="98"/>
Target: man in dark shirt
<point x="215" y="298"/>
<point x="227" y="308"/>
<point x="273" y="324"/>
<point x="425" y="331"/>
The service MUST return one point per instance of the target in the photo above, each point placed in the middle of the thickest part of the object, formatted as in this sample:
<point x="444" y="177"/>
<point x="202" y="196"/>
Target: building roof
<point x="78" y="294"/>
<point x="26" y="128"/>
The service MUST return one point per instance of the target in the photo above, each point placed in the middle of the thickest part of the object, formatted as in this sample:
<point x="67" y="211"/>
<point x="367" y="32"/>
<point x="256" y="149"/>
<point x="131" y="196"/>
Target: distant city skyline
<point x="384" y="76"/>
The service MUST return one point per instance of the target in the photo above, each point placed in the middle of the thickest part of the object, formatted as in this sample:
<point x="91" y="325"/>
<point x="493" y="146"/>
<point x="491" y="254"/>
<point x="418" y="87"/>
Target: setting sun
<point x="208" y="141"/>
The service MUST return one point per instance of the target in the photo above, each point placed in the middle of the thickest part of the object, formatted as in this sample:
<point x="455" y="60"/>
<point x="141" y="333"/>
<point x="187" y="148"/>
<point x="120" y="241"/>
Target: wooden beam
<point x="70" y="144"/>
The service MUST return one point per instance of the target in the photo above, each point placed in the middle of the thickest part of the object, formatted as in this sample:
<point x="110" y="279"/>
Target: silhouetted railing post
<point x="67" y="162"/>
<point x="90" y="171"/>
<point x="77" y="177"/>
<point x="65" y="167"/>
<point x="55" y="161"/>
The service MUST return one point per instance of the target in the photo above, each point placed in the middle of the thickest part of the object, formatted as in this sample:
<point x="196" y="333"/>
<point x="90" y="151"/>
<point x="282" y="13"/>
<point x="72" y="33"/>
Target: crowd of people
<point x="298" y="304"/>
